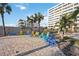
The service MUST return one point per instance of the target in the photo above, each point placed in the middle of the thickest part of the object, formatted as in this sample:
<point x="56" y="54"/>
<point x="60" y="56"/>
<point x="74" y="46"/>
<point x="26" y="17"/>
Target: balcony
<point x="75" y="4"/>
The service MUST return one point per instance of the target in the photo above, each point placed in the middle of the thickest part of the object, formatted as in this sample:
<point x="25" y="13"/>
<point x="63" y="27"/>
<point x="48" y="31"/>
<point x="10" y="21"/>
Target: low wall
<point x="15" y="30"/>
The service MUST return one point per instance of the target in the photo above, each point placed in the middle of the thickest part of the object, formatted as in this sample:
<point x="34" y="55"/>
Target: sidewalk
<point x="33" y="46"/>
<point x="73" y="35"/>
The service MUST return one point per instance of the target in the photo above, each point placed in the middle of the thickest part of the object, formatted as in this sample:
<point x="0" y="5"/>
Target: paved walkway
<point x="26" y="45"/>
<point x="73" y="35"/>
<point x="76" y="36"/>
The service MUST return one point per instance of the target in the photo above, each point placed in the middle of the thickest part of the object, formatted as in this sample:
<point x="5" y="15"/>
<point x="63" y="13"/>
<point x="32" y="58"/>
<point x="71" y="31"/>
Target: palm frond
<point x="8" y="9"/>
<point x="75" y="13"/>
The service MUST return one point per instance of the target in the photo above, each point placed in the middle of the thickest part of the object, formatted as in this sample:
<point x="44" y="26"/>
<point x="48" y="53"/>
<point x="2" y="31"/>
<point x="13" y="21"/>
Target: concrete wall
<point x="9" y="30"/>
<point x="15" y="30"/>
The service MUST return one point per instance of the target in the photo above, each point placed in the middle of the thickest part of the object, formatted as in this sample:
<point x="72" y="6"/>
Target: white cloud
<point x="21" y="7"/>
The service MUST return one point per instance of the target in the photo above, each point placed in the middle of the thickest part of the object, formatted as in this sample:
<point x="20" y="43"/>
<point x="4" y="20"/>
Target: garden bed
<point x="69" y="46"/>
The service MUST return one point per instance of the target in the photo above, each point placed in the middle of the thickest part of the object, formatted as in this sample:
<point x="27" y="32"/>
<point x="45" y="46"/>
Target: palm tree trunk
<point x="4" y="31"/>
<point x="31" y="27"/>
<point x="39" y="27"/>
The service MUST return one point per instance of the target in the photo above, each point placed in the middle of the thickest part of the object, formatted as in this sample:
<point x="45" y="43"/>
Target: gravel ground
<point x="26" y="45"/>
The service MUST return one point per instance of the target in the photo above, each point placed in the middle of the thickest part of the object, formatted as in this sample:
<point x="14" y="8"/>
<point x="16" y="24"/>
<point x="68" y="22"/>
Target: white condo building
<point x="55" y="12"/>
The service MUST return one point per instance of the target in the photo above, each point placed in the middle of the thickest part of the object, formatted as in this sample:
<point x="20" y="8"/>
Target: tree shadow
<point x="31" y="51"/>
<point x="66" y="50"/>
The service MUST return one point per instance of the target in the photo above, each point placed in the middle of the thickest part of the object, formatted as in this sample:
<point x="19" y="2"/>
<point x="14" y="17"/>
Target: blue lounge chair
<point x="51" y="39"/>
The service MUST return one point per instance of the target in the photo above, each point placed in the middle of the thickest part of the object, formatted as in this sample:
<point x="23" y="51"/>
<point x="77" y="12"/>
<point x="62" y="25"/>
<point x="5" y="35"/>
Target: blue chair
<point x="51" y="40"/>
<point x="41" y="35"/>
<point x="45" y="38"/>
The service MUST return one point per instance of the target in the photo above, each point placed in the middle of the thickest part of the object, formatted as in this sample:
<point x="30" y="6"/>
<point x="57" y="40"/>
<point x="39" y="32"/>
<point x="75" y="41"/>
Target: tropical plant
<point x="73" y="16"/>
<point x="39" y="17"/>
<point x="31" y="21"/>
<point x="69" y="19"/>
<point x="35" y="16"/>
<point x="4" y="8"/>
<point x="63" y="22"/>
<point x="22" y="26"/>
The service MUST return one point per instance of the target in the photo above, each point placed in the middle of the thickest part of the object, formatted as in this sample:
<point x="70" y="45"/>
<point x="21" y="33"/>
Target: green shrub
<point x="72" y="40"/>
<point x="65" y="38"/>
<point x="76" y="42"/>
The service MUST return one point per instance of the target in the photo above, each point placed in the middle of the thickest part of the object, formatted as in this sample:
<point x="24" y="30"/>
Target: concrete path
<point x="26" y="45"/>
<point x="73" y="35"/>
<point x="48" y="51"/>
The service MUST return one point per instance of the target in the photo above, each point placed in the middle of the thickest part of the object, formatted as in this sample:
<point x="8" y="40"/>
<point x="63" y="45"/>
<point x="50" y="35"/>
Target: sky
<point x="22" y="10"/>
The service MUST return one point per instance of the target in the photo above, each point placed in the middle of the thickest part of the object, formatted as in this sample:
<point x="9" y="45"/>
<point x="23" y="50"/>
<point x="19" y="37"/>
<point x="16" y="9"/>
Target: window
<point x="69" y="3"/>
<point x="64" y="5"/>
<point x="75" y="4"/>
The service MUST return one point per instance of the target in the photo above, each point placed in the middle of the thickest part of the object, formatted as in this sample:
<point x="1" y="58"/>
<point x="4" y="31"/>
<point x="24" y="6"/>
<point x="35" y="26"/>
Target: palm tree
<point x="4" y="7"/>
<point x="40" y="17"/>
<point x="31" y="21"/>
<point x="74" y="16"/>
<point x="35" y="16"/>
<point x="22" y="26"/>
<point x="63" y="22"/>
<point x="69" y="19"/>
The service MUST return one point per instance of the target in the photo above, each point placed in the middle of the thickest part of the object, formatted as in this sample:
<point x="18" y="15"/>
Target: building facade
<point x="55" y="12"/>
